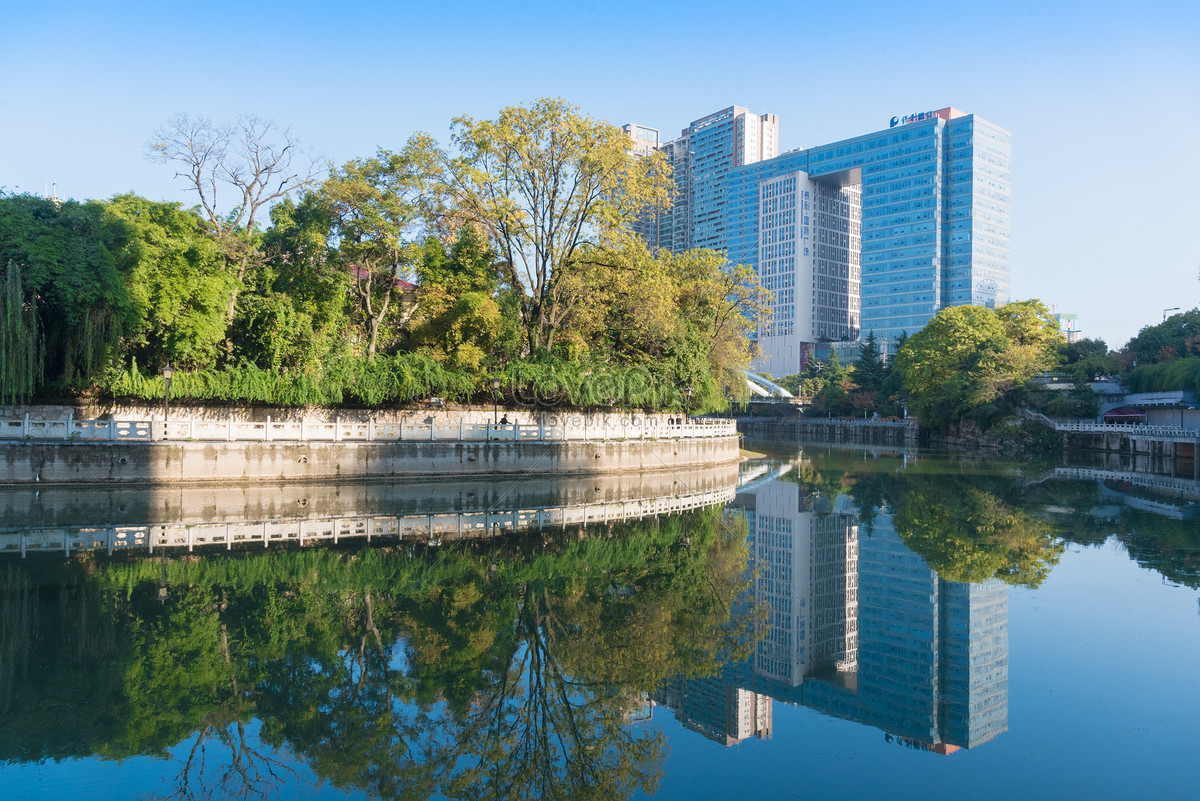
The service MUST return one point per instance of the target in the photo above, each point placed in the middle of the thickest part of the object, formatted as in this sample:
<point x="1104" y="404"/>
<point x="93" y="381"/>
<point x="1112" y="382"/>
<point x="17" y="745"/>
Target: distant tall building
<point x="645" y="140"/>
<point x="929" y="199"/>
<point x="1069" y="325"/>
<point x="809" y="246"/>
<point x="701" y="160"/>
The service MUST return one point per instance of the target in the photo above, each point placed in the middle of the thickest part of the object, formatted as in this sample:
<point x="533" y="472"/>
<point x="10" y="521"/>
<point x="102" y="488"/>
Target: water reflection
<point x="497" y="668"/>
<point x="858" y="626"/>
<point x="524" y="658"/>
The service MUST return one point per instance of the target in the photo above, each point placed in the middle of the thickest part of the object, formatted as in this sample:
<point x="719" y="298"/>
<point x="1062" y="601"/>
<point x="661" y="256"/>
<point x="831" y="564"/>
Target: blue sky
<point x="1103" y="99"/>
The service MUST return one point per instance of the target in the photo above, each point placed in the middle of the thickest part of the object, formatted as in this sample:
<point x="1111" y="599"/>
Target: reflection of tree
<point x="594" y="623"/>
<point x="464" y="671"/>
<point x="541" y="732"/>
<point x="963" y="531"/>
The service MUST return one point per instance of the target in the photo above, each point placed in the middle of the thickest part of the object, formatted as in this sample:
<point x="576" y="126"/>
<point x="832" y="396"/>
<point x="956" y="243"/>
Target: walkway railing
<point x="1125" y="428"/>
<point x="575" y="428"/>
<point x="433" y="528"/>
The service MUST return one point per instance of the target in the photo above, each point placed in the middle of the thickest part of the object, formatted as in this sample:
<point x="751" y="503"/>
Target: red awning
<point x="1124" y="414"/>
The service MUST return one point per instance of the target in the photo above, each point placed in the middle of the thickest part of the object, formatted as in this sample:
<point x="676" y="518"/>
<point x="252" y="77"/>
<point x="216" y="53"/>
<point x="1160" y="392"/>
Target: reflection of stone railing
<point x="433" y="528"/>
<point x="1148" y="480"/>
<point x="566" y="428"/>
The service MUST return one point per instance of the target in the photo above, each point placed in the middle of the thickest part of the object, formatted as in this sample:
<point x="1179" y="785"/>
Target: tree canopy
<point x="969" y="358"/>
<point x="545" y="183"/>
<point x="518" y="237"/>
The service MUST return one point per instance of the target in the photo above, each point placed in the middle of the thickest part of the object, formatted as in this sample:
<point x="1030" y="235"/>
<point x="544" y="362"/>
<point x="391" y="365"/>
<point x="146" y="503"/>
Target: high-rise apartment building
<point x="922" y="216"/>
<point x="701" y="160"/>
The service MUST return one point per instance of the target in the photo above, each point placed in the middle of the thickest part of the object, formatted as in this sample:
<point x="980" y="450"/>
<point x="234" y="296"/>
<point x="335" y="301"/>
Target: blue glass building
<point x="935" y="192"/>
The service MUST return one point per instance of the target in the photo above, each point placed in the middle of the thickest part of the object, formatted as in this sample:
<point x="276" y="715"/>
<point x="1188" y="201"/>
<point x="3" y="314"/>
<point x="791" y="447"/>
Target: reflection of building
<point x="805" y="566"/>
<point x="720" y="711"/>
<point x="932" y="655"/>
<point x="862" y="629"/>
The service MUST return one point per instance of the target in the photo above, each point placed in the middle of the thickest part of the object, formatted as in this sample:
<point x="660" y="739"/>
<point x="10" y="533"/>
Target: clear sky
<point x="1103" y="98"/>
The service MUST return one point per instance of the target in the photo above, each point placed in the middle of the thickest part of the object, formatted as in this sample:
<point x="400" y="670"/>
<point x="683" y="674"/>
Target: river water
<point x="819" y="623"/>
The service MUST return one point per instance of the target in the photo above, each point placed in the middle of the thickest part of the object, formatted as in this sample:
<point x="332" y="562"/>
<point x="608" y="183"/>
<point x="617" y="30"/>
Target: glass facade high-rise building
<point x="930" y="198"/>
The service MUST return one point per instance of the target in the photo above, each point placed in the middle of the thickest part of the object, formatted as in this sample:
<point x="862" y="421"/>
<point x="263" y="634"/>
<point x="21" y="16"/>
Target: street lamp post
<point x="687" y="391"/>
<point x="1173" y="308"/>
<point x="495" y="401"/>
<point x="167" y="371"/>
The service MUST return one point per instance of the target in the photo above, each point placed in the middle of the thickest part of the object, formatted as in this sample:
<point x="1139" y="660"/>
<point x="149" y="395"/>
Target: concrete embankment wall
<point x="162" y="462"/>
<point x="865" y="432"/>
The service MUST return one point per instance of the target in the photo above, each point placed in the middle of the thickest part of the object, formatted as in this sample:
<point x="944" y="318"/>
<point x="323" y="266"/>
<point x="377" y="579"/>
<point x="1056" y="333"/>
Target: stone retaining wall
<point x="163" y="462"/>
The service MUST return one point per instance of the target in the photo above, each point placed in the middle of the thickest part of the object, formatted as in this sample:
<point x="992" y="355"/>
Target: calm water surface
<point x="840" y="623"/>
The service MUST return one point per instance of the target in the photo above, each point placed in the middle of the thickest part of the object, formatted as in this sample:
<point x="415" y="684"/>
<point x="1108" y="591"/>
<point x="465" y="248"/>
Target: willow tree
<point x="20" y="341"/>
<point x="65" y="253"/>
<point x="544" y="181"/>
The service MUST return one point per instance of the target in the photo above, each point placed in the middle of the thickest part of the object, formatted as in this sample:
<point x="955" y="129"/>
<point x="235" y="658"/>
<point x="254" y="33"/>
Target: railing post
<point x="541" y="430"/>
<point x="516" y="432"/>
<point x="25" y="426"/>
<point x="370" y="429"/>
<point x="70" y="420"/>
<point x="192" y="428"/>
<point x="303" y="429"/>
<point x="267" y="430"/>
<point x="460" y="428"/>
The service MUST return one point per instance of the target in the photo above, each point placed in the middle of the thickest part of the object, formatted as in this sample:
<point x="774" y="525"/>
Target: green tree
<point x="1174" y="338"/>
<point x="257" y="160"/>
<point x="967" y="358"/>
<point x="376" y="204"/>
<point x="870" y="370"/>
<point x="1088" y="359"/>
<point x="21" y="365"/>
<point x="543" y="181"/>
<point x="177" y="282"/>
<point x="459" y="317"/>
<point x="296" y="312"/>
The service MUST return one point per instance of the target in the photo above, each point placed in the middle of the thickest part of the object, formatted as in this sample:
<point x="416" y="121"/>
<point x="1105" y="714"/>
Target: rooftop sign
<point x="948" y="113"/>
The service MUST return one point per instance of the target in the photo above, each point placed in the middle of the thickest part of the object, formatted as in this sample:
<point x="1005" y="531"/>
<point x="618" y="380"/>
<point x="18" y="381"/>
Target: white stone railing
<point x="567" y="428"/>
<point x="1125" y="428"/>
<point x="72" y="429"/>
